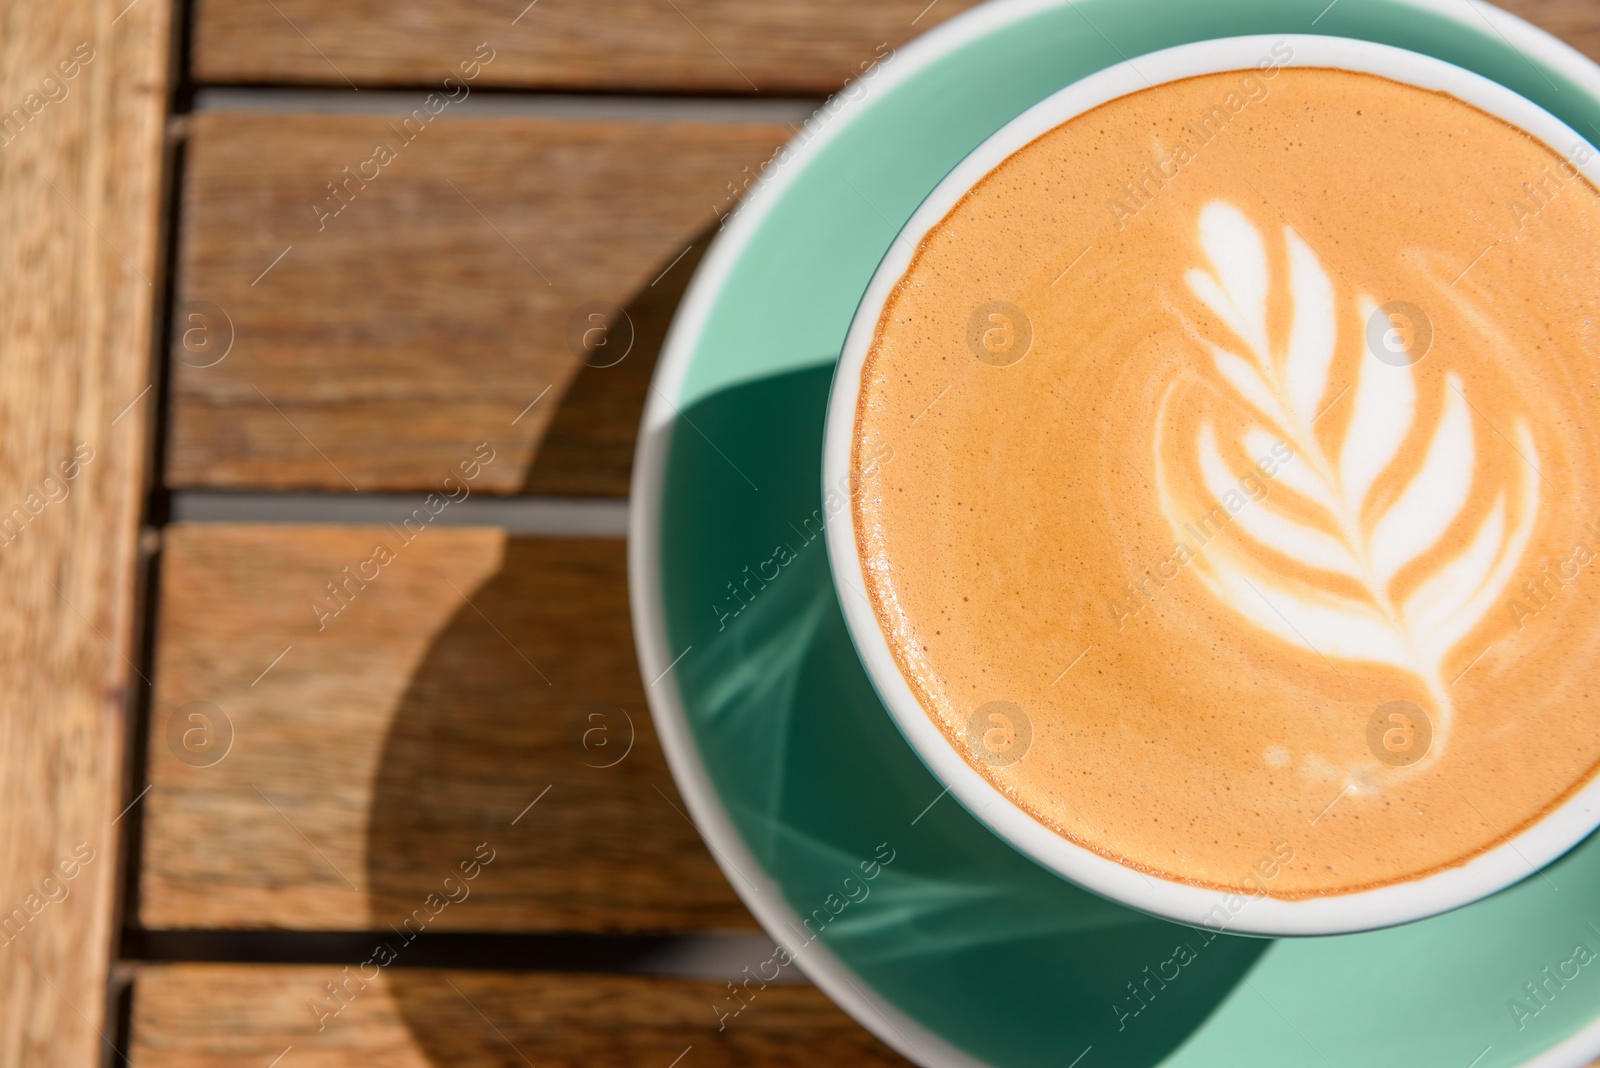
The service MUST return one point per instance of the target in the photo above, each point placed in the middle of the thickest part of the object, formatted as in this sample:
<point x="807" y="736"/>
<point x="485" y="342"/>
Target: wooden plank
<point x="209" y="1016"/>
<point x="82" y="100"/>
<point x="218" y="1016"/>
<point x="467" y="678"/>
<point x="809" y="46"/>
<point x="1577" y="22"/>
<point x="722" y="45"/>
<point x="444" y="297"/>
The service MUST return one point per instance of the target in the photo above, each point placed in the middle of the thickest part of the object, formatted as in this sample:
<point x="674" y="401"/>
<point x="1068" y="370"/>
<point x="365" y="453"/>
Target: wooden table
<point x="272" y="729"/>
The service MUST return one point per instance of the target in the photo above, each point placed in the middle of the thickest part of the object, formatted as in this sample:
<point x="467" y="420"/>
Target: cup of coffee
<point x="1223" y="437"/>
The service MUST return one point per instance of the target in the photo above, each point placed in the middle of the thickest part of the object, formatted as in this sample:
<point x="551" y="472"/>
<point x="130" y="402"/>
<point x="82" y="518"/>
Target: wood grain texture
<point x="810" y="46"/>
<point x="211" y="1016"/>
<point x="474" y="673"/>
<point x="1577" y="22"/>
<point x="721" y="45"/>
<point x="446" y="295"/>
<point x="80" y="180"/>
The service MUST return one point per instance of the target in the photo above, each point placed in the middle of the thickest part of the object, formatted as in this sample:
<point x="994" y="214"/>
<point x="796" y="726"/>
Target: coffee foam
<point x="1235" y="482"/>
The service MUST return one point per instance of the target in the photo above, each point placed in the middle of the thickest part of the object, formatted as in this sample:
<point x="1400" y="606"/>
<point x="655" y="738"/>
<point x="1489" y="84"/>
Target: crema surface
<point x="1242" y="524"/>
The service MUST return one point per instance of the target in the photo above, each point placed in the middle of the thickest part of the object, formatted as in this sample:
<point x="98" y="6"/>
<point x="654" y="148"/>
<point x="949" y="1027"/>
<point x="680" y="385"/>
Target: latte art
<point x="1261" y="518"/>
<point x="1332" y="565"/>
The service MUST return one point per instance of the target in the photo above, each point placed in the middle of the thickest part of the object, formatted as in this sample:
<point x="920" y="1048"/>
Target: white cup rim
<point x="1509" y="862"/>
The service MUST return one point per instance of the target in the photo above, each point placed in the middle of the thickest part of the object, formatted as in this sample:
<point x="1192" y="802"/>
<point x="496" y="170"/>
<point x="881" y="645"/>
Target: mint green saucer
<point x="958" y="951"/>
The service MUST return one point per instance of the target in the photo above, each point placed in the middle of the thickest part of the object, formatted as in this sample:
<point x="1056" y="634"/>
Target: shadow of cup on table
<point x="588" y="448"/>
<point x="544" y="793"/>
<point x="531" y="687"/>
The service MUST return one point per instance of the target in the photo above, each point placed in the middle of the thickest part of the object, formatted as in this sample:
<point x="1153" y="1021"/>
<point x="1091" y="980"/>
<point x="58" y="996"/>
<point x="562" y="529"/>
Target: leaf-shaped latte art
<point x="1372" y="551"/>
